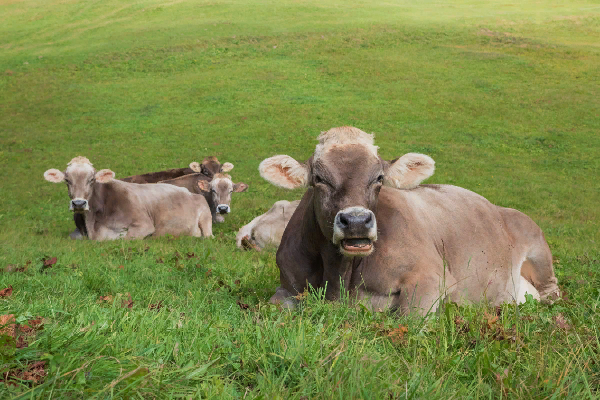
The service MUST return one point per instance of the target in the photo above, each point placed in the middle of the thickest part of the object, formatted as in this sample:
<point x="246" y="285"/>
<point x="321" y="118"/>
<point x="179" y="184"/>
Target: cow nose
<point x="78" y="203"/>
<point x="356" y="220"/>
<point x="223" y="209"/>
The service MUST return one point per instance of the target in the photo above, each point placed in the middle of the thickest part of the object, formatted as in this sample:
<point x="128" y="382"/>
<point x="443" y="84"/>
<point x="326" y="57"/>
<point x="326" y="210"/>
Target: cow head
<point x="346" y="175"/>
<point x="211" y="166"/>
<point x="80" y="177"/>
<point x="221" y="187"/>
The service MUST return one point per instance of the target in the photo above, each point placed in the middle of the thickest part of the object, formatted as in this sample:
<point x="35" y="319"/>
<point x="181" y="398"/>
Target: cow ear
<point x="409" y="171"/>
<point x="240" y="187"/>
<point x="195" y="166"/>
<point x="104" y="176"/>
<point x="54" y="176"/>
<point x="204" y="186"/>
<point x="227" y="167"/>
<point x="284" y="171"/>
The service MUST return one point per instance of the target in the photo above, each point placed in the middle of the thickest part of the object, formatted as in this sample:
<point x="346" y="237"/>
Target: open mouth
<point x="360" y="245"/>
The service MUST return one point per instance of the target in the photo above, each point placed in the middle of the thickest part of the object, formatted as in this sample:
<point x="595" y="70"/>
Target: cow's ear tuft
<point x="195" y="166"/>
<point x="53" y="175"/>
<point x="204" y="186"/>
<point x="240" y="187"/>
<point x="284" y="171"/>
<point x="226" y="167"/>
<point x="104" y="176"/>
<point x="409" y="171"/>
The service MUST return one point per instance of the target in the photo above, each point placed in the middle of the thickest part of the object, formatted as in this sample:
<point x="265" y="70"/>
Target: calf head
<point x="346" y="175"/>
<point x="221" y="187"/>
<point x="80" y="177"/>
<point x="211" y="166"/>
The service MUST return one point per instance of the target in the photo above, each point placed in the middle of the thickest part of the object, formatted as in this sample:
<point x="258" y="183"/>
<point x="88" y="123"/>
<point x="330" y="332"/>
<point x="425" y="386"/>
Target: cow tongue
<point x="357" y="244"/>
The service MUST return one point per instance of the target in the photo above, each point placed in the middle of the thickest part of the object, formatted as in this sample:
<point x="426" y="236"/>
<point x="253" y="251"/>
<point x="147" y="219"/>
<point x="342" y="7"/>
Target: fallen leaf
<point x="561" y="322"/>
<point x="49" y="262"/>
<point x="155" y="307"/>
<point x="237" y="282"/>
<point x="491" y="320"/>
<point x="243" y="306"/>
<point x="108" y="298"/>
<point x="397" y="334"/>
<point x="8" y="325"/>
<point x="7" y="292"/>
<point x="209" y="273"/>
<point x="127" y="303"/>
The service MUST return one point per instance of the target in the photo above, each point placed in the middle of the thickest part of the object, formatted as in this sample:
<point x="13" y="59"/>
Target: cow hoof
<point x="76" y="235"/>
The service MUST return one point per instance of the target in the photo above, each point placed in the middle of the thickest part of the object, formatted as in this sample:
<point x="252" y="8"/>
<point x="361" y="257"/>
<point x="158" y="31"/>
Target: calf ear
<point x="54" y="176"/>
<point x="204" y="186"/>
<point x="409" y="171"/>
<point x="105" y="176"/>
<point x="195" y="166"/>
<point x="240" y="187"/>
<point x="284" y="171"/>
<point x="227" y="167"/>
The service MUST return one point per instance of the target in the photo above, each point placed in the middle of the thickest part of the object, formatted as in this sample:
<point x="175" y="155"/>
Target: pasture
<point x="504" y="97"/>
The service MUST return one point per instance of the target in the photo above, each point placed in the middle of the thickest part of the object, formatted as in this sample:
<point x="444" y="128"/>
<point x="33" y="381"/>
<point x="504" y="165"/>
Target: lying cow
<point x="267" y="229"/>
<point x="115" y="209"/>
<point x="209" y="167"/>
<point x="216" y="191"/>
<point x="368" y="223"/>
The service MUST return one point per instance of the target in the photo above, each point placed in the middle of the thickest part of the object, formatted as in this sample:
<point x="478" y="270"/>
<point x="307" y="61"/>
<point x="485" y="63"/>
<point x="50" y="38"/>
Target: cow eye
<point x="380" y="179"/>
<point x="318" y="179"/>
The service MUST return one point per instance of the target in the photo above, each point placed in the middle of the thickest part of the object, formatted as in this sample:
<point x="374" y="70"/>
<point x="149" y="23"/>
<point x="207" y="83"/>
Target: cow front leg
<point x="140" y="231"/>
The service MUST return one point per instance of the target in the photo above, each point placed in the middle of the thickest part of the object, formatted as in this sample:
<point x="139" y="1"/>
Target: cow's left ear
<point x="227" y="167"/>
<point x="409" y="171"/>
<point x="204" y="186"/>
<point x="240" y="187"/>
<point x="53" y="175"/>
<point x="104" y="176"/>
<point x="195" y="166"/>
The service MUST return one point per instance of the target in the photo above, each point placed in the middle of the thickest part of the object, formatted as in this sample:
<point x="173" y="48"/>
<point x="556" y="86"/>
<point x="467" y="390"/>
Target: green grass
<point x="504" y="96"/>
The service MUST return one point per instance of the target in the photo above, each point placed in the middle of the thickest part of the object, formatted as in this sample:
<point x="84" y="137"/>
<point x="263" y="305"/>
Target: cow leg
<point x="142" y="230"/>
<point x="205" y="224"/>
<point x="80" y="230"/>
<point x="532" y="253"/>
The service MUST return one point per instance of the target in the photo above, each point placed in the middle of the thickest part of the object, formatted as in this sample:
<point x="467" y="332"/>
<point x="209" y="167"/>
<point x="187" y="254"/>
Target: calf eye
<point x="380" y="179"/>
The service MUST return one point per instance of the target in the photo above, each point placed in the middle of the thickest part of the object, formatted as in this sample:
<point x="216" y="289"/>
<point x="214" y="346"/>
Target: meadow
<point x="504" y="96"/>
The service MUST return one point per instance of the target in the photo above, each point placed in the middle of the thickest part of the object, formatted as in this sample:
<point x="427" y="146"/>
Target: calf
<point x="368" y="225"/>
<point x="267" y="229"/>
<point x="216" y="191"/>
<point x="113" y="209"/>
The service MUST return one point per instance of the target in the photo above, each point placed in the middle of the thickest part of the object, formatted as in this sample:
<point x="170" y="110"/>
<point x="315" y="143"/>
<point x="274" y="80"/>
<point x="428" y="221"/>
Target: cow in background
<point x="267" y="229"/>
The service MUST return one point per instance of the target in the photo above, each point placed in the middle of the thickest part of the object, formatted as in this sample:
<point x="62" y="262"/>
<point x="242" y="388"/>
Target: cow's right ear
<point x="104" y="176"/>
<point x="227" y="167"/>
<point x="53" y="175"/>
<point x="204" y="186"/>
<point x="408" y="171"/>
<point x="284" y="171"/>
<point x="195" y="166"/>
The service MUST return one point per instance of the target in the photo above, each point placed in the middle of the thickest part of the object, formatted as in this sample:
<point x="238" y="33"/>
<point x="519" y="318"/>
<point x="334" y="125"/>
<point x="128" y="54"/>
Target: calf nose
<point x="355" y="221"/>
<point x="78" y="203"/>
<point x="223" y="209"/>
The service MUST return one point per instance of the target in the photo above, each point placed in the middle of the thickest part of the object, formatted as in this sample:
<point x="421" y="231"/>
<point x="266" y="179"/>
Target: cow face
<point x="221" y="188"/>
<point x="346" y="175"/>
<point x="211" y="166"/>
<point x="80" y="177"/>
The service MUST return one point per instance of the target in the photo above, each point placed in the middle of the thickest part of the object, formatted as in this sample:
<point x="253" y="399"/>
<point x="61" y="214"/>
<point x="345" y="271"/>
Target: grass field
<point x="504" y="96"/>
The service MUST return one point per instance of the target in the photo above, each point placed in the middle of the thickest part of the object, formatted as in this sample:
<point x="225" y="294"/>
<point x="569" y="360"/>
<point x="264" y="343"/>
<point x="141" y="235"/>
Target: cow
<point x="267" y="229"/>
<point x="369" y="225"/>
<point x="115" y="209"/>
<point x="216" y="191"/>
<point x="209" y="167"/>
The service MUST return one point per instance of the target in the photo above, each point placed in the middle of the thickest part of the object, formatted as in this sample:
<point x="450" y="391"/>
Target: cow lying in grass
<point x="114" y="209"/>
<point x="205" y="171"/>
<point x="217" y="191"/>
<point x="267" y="229"/>
<point x="369" y="225"/>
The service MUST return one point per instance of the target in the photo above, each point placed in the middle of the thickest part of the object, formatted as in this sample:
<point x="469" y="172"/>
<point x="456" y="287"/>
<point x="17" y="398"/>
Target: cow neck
<point x="98" y="200"/>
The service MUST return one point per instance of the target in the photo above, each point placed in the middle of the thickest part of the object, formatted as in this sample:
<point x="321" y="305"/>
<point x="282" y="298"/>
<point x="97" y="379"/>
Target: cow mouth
<point x="358" y="245"/>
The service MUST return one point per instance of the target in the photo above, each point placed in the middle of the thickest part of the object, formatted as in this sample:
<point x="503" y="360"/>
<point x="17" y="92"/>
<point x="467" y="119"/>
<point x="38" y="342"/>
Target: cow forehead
<point x="79" y="168"/>
<point x="337" y="138"/>
<point x="355" y="159"/>
<point x="222" y="183"/>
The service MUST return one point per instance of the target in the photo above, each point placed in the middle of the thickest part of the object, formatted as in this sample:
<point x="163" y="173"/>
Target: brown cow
<point x="267" y="229"/>
<point x="115" y="209"/>
<point x="209" y="167"/>
<point x="368" y="225"/>
<point x="216" y="191"/>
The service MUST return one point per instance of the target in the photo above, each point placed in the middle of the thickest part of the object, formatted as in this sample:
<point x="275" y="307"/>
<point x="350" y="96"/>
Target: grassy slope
<point x="503" y="96"/>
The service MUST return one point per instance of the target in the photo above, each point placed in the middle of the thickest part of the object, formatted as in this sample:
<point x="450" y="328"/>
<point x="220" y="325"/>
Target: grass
<point x="504" y="97"/>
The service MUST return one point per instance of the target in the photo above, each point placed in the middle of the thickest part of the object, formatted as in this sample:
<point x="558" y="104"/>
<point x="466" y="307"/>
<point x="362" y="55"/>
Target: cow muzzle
<point x="355" y="231"/>
<point x="223" y="209"/>
<point x="79" y="205"/>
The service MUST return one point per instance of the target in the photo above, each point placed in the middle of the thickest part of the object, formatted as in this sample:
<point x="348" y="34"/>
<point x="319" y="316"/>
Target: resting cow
<point x="115" y="209"/>
<point x="216" y="191"/>
<point x="209" y="167"/>
<point x="391" y="242"/>
<point x="267" y="229"/>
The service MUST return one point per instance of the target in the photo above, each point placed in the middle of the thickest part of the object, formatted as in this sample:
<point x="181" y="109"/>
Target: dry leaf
<point x="108" y="298"/>
<point x="127" y="303"/>
<point x="7" y="292"/>
<point x="49" y="262"/>
<point x="561" y="322"/>
<point x="397" y="334"/>
<point x="155" y="307"/>
<point x="243" y="306"/>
